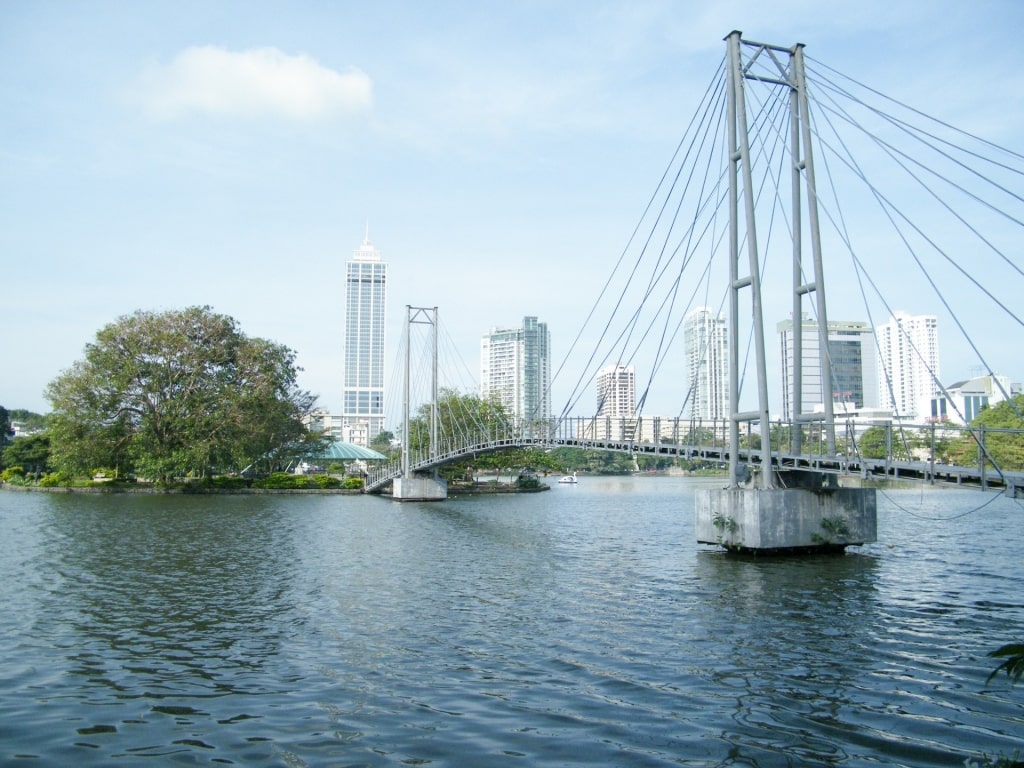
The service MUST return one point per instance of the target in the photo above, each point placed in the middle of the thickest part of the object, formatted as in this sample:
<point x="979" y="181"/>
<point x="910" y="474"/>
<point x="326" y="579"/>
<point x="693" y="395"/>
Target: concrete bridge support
<point x="419" y="488"/>
<point x="815" y="515"/>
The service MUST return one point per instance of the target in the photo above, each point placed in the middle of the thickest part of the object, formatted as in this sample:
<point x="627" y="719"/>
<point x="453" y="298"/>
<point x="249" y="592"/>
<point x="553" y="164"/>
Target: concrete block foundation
<point x="786" y="520"/>
<point x="419" y="488"/>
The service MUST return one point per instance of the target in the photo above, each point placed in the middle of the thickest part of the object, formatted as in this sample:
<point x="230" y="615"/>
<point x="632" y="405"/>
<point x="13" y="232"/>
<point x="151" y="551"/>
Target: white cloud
<point x="254" y="83"/>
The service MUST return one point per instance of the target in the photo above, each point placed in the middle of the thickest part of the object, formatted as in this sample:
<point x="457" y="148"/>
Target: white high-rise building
<point x="851" y="353"/>
<point x="616" y="391"/>
<point x="706" y="346"/>
<point x="908" y="351"/>
<point x="515" y="369"/>
<point x="365" y="319"/>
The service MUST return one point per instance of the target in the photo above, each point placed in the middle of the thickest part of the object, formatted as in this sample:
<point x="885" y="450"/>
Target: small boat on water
<point x="569" y="479"/>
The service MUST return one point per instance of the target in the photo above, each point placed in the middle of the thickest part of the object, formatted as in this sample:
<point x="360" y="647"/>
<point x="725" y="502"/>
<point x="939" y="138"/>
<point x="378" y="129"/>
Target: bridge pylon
<point x="791" y="511"/>
<point x="412" y="485"/>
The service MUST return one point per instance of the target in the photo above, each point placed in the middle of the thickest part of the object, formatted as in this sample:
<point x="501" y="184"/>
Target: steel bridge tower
<point x="776" y="515"/>
<point x="419" y="486"/>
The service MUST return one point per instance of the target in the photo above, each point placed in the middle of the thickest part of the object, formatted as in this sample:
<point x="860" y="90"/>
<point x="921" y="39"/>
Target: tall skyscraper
<point x="616" y="391"/>
<point x="706" y="346"/>
<point x="515" y="368"/>
<point x="851" y="353"/>
<point x="365" y="317"/>
<point x="908" y="348"/>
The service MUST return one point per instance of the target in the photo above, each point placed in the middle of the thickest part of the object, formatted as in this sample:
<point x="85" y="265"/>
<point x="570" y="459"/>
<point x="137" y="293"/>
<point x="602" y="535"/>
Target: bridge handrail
<point x="583" y="432"/>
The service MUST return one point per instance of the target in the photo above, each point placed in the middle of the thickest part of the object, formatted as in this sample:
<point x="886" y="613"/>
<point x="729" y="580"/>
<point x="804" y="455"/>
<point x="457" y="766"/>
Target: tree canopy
<point x="464" y="418"/>
<point x="1004" y="445"/>
<point x="31" y="452"/>
<point x="175" y="393"/>
<point x="461" y="418"/>
<point x="6" y="431"/>
<point x="33" y="422"/>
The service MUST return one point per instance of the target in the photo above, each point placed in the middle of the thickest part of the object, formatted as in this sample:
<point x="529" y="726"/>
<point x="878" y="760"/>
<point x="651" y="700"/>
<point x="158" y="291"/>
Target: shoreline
<point x="144" y="491"/>
<point x="479" y="490"/>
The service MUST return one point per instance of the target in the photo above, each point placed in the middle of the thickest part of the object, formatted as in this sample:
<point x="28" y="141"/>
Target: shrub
<point x="55" y="480"/>
<point x="353" y="483"/>
<point x="284" y="480"/>
<point x="326" y="481"/>
<point x="12" y="473"/>
<point x="227" y="482"/>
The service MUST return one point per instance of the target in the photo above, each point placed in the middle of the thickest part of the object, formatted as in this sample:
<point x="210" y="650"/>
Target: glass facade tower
<point x="515" y="369"/>
<point x="706" y="345"/>
<point x="365" y="318"/>
<point x="851" y="353"/>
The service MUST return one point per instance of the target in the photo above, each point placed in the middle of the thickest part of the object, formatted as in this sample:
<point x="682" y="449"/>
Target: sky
<point x="157" y="155"/>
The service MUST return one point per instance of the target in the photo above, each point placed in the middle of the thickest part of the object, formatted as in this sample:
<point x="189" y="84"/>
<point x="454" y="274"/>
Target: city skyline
<point x="165" y="155"/>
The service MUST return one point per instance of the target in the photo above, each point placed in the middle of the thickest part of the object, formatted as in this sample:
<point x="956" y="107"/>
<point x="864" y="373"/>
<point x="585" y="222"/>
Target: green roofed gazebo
<point x="336" y="450"/>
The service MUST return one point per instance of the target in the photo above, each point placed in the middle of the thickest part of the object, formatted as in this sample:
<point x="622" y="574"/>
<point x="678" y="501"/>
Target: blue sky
<point x="157" y="155"/>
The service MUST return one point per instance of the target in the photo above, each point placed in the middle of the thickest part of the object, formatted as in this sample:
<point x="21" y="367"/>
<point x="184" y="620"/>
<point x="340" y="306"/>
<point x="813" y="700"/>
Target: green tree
<point x="461" y="419"/>
<point x="175" y="393"/>
<point x="1003" y="434"/>
<point x="34" y="422"/>
<point x="31" y="452"/>
<point x="876" y="442"/>
<point x="465" y="419"/>
<point x="873" y="444"/>
<point x="596" y="462"/>
<point x="6" y="430"/>
<point x="382" y="442"/>
<point x="699" y="436"/>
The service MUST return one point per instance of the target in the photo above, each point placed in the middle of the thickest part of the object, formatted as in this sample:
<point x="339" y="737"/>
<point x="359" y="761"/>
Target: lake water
<point x="580" y="626"/>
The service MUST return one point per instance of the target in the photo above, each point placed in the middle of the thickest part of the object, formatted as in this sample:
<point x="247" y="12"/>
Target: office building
<point x="365" y="318"/>
<point x="616" y="391"/>
<point x="908" y="351"/>
<point x="964" y="400"/>
<point x="851" y="355"/>
<point x="515" y="369"/>
<point x="706" y="346"/>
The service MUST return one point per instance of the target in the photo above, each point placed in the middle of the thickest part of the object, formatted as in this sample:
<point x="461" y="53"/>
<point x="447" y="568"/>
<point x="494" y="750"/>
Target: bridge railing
<point x="928" y="450"/>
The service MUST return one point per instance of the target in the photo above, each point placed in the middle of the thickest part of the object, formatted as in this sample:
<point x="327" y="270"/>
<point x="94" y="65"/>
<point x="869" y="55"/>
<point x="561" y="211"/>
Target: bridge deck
<point x="980" y="477"/>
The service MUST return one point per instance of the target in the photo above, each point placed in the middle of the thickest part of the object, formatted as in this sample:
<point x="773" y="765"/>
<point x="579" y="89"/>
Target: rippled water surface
<point x="580" y="626"/>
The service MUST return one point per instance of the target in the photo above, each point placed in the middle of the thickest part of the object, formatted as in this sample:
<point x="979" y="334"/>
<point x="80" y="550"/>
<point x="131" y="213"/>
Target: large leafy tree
<point x="879" y="441"/>
<point x="461" y="418"/>
<point x="175" y="393"/>
<point x="33" y="422"/>
<point x="464" y="419"/>
<point x="6" y="431"/>
<point x="1004" y="442"/>
<point x="31" y="452"/>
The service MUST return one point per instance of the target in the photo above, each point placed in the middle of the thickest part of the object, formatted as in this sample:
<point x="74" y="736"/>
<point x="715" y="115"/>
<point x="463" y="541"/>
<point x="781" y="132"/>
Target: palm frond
<point x="1013" y="664"/>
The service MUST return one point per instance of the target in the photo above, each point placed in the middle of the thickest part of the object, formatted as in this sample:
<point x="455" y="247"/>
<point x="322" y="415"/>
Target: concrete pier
<point x="815" y="516"/>
<point x="419" y="488"/>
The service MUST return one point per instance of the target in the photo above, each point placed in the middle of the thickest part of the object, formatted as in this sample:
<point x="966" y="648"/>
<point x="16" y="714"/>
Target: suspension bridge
<point x="759" y="180"/>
